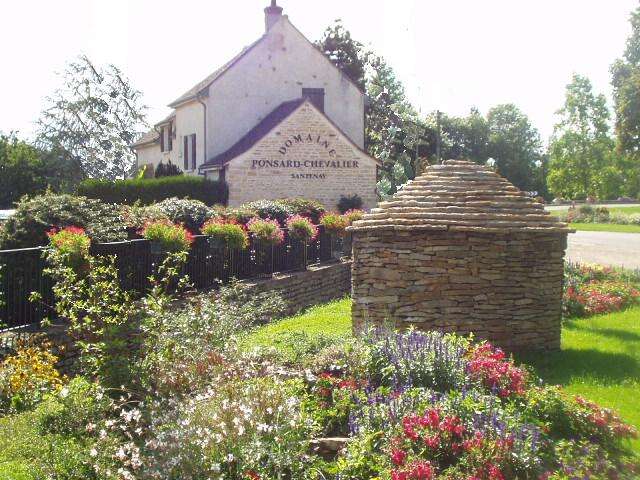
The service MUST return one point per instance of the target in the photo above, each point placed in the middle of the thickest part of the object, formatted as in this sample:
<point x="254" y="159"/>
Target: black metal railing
<point x="22" y="270"/>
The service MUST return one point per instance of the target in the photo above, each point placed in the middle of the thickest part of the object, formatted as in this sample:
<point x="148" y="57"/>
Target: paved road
<point x="605" y="248"/>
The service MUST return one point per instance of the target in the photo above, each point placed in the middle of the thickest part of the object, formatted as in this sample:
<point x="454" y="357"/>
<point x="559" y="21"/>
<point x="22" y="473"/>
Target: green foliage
<point x="229" y="235"/>
<point x="344" y="52"/>
<point x="350" y="202"/>
<point x="27" y="170"/>
<point x="514" y="144"/>
<point x="151" y="190"/>
<point x="307" y="208"/>
<point x="170" y="237"/>
<point x="37" y="215"/>
<point x="626" y="97"/>
<point x="73" y="409"/>
<point x="168" y="170"/>
<point x="334" y="223"/>
<point x="583" y="163"/>
<point x="274" y="209"/>
<point x="265" y="231"/>
<point x="93" y="118"/>
<point x="100" y="314"/>
<point x="182" y="349"/>
<point x="190" y="213"/>
<point x="72" y="245"/>
<point x="301" y="228"/>
<point x="27" y="376"/>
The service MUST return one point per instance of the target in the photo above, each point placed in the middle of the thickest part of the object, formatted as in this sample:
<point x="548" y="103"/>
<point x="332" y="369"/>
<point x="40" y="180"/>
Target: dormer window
<point x="315" y="96"/>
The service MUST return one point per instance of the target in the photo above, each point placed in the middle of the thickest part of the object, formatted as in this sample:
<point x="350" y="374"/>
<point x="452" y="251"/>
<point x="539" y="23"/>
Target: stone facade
<point x="461" y="250"/>
<point x="299" y="290"/>
<point x="304" y="156"/>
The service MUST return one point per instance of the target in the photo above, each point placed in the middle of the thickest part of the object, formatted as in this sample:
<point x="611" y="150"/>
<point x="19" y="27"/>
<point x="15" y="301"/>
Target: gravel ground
<point x="605" y="248"/>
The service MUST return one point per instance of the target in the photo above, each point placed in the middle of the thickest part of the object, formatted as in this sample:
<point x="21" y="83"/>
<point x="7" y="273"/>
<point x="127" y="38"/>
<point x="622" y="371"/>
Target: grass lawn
<point x="605" y="227"/>
<point x="614" y="210"/>
<point x="600" y="356"/>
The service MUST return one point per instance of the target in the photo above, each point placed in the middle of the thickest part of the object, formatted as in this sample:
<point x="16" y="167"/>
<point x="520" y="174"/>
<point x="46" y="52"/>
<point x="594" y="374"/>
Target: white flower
<point x="230" y="457"/>
<point x="93" y="452"/>
<point x="64" y="392"/>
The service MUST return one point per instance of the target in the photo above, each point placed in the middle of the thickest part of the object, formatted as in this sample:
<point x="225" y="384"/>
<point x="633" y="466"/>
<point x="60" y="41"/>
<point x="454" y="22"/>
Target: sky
<point x="451" y="55"/>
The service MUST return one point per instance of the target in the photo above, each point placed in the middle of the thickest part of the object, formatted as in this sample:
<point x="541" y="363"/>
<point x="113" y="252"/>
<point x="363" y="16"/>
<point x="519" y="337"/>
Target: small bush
<point x="231" y="235"/>
<point x="72" y="409"/>
<point x="190" y="213"/>
<point x="350" y="202"/>
<point x="168" y="170"/>
<point x="240" y="215"/>
<point x="334" y="223"/>
<point x="301" y="228"/>
<point x="148" y="191"/>
<point x="72" y="243"/>
<point x="271" y="209"/>
<point x="307" y="208"/>
<point x="353" y="215"/>
<point x="171" y="237"/>
<point x="27" y="376"/>
<point x="267" y="231"/>
<point x="136" y="216"/>
<point x="35" y="216"/>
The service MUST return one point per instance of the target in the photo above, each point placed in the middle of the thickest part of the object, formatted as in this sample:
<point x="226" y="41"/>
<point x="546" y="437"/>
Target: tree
<point x="346" y="53"/>
<point x="25" y="169"/>
<point x="582" y="158"/>
<point x="514" y="144"/>
<point x="626" y="98"/>
<point x="93" y="119"/>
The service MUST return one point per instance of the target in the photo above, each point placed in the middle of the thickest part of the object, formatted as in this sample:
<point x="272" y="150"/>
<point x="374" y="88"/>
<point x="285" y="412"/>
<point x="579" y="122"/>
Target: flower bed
<point x="592" y="289"/>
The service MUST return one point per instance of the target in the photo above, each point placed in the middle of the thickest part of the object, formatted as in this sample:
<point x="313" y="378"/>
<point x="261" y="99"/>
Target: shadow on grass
<point x="561" y="367"/>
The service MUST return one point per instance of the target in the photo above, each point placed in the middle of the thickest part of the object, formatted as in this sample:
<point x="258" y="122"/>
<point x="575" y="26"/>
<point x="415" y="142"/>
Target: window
<point x="166" y="138"/>
<point x="316" y="96"/>
<point x="189" y="152"/>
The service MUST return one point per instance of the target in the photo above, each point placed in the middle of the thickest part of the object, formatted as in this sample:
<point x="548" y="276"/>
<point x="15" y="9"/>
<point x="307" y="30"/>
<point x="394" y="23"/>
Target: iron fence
<point x="22" y="270"/>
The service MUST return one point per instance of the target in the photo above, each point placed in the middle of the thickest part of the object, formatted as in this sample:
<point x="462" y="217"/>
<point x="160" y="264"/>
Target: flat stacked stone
<point x="461" y="249"/>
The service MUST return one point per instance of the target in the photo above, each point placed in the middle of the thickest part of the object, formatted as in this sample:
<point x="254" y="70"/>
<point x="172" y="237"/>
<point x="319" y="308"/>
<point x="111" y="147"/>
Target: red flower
<point x="398" y="457"/>
<point x="252" y="475"/>
<point x="398" y="475"/>
<point x="420" y="470"/>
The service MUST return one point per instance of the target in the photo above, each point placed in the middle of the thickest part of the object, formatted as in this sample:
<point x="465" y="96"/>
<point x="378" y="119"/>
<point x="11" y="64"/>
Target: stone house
<point x="278" y="120"/>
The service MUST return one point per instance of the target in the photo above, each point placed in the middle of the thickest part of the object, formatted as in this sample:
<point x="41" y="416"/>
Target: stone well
<point x="460" y="249"/>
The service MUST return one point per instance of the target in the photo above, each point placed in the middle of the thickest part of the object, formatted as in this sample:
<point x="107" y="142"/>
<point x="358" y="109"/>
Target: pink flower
<point x="398" y="457"/>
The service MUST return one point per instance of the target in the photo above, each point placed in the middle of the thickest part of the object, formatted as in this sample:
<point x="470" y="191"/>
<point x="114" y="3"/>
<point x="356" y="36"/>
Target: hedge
<point x="152" y="190"/>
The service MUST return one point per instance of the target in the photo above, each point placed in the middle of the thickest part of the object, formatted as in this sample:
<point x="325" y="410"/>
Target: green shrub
<point x="334" y="223"/>
<point x="267" y="232"/>
<point x="350" y="202"/>
<point x="273" y="209"/>
<point x="301" y="228"/>
<point x="231" y="235"/>
<point x="240" y="215"/>
<point x="307" y="208"/>
<point x="148" y="191"/>
<point x="168" y="170"/>
<point x="35" y="216"/>
<point x="73" y="408"/>
<point x="171" y="237"/>
<point x="136" y="216"/>
<point x="190" y="213"/>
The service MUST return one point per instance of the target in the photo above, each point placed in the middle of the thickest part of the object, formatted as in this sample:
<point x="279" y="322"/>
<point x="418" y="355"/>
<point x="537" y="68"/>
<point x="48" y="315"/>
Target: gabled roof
<point x="204" y="84"/>
<point x="264" y="127"/>
<point x="148" y="138"/>
<point x="256" y="134"/>
<point x="461" y="196"/>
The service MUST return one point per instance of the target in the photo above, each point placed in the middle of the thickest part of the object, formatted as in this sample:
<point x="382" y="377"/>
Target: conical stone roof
<point x="461" y="196"/>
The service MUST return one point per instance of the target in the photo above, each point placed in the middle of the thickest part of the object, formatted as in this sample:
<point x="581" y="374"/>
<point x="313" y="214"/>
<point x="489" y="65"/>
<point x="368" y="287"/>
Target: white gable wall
<point x="273" y="72"/>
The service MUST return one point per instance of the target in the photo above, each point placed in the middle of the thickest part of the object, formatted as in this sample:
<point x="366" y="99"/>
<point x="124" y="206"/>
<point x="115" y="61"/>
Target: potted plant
<point x="304" y="231"/>
<point x="351" y="216"/>
<point x="225" y="234"/>
<point x="72" y="245"/>
<point x="166" y="237"/>
<point x="334" y="224"/>
<point x="267" y="234"/>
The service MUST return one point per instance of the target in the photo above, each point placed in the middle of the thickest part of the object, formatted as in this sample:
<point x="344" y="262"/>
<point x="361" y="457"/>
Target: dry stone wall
<point x="503" y="288"/>
<point x="460" y="249"/>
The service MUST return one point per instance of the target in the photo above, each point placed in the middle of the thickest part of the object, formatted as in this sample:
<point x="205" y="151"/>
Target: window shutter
<point x="162" y="139"/>
<point x="170" y="136"/>
<point x="186" y="152"/>
<point x="193" y="151"/>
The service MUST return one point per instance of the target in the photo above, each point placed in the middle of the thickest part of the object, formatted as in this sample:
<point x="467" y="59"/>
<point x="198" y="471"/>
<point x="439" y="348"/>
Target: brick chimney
<point x="272" y="14"/>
